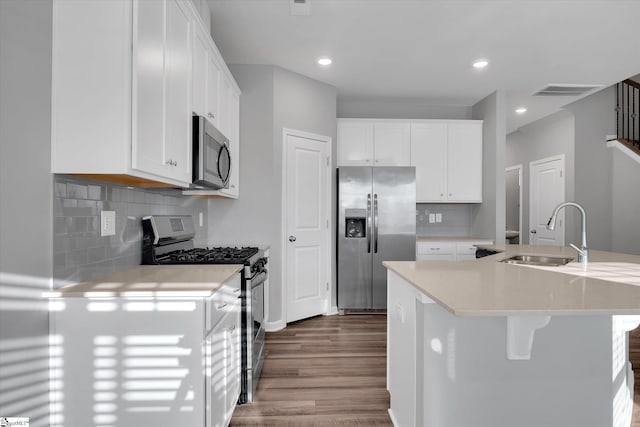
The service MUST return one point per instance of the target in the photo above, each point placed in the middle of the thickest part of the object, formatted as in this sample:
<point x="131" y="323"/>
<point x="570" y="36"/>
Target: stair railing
<point x="627" y="112"/>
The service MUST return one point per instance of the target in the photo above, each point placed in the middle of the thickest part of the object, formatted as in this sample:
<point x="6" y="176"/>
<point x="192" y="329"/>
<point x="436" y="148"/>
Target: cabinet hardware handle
<point x="232" y="328"/>
<point x="435" y="249"/>
<point x="441" y="194"/>
<point x="292" y="238"/>
<point x="221" y="306"/>
<point x="235" y="291"/>
<point x="233" y="186"/>
<point x="450" y="194"/>
<point x="211" y="115"/>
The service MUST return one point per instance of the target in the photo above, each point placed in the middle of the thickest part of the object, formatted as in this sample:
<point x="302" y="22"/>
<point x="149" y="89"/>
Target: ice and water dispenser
<point x="355" y="223"/>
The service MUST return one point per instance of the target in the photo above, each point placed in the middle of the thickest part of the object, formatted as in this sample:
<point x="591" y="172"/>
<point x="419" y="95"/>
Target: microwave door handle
<point x="368" y="228"/>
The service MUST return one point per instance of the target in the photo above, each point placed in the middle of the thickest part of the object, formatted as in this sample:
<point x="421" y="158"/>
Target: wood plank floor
<point x="323" y="371"/>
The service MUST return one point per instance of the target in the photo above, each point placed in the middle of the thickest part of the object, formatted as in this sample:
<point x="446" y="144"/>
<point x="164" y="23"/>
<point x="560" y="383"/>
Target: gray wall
<point x="25" y="207"/>
<point x="80" y="253"/>
<point x="489" y="216"/>
<point x="594" y="118"/>
<point x="398" y="108"/>
<point x="625" y="179"/>
<point x="547" y="137"/>
<point x="512" y="200"/>
<point x="272" y="99"/>
<point x="606" y="180"/>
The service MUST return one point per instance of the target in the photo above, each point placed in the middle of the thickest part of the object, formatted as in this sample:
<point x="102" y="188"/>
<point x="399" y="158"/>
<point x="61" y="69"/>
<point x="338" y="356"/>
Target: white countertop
<point x="485" y="287"/>
<point x="451" y="239"/>
<point x="154" y="281"/>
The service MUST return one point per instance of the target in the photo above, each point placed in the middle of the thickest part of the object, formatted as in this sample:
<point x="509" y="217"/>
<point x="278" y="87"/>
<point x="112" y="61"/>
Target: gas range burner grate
<point x="219" y="255"/>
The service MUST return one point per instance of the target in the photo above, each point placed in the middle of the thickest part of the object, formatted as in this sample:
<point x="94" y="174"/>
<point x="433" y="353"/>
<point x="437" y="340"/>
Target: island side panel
<point x="127" y="362"/>
<point x="567" y="382"/>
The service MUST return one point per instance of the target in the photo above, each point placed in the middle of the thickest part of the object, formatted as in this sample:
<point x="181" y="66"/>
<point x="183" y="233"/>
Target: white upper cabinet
<point x="216" y="96"/>
<point x="162" y="89"/>
<point x="448" y="160"/>
<point x="355" y="142"/>
<point x="363" y="142"/>
<point x="429" y="156"/>
<point x="464" y="162"/>
<point x="126" y="78"/>
<point x="391" y="144"/>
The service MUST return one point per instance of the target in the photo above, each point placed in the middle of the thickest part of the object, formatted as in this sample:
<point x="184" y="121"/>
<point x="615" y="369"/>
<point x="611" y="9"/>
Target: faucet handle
<point x="580" y="251"/>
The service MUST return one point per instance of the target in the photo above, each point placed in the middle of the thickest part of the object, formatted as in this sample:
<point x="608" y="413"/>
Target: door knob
<point x="292" y="238"/>
<point x="534" y="232"/>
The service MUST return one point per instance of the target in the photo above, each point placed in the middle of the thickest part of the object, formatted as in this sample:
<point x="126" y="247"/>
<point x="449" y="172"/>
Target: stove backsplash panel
<point x="80" y="253"/>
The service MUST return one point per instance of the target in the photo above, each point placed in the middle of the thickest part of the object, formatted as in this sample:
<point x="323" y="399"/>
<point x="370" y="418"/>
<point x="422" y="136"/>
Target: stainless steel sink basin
<point x="548" y="261"/>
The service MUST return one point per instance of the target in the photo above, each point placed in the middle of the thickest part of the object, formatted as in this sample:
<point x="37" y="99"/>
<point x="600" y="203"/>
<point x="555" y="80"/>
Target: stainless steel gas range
<point x="169" y="240"/>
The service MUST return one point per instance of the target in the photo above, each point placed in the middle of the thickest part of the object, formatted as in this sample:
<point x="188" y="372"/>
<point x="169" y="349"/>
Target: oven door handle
<point x="258" y="279"/>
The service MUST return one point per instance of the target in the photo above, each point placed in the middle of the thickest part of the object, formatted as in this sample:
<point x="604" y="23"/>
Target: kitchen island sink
<point x="540" y="260"/>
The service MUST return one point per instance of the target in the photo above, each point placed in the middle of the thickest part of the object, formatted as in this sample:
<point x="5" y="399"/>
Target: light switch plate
<point x="107" y="223"/>
<point x="432" y="218"/>
<point x="438" y="217"/>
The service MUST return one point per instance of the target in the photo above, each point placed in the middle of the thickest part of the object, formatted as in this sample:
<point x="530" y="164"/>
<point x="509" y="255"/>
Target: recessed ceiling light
<point x="324" y="61"/>
<point x="521" y="110"/>
<point x="480" y="63"/>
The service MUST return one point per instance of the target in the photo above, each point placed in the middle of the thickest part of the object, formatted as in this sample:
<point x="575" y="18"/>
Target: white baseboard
<point x="275" y="326"/>
<point x="332" y="311"/>
<point x="393" y="420"/>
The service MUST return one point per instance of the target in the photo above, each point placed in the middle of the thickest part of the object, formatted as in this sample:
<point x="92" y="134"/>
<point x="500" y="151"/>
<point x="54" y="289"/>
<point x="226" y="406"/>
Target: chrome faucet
<point x="583" y="251"/>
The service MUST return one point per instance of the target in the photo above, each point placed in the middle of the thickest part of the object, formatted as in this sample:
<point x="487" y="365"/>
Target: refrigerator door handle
<point x="375" y="223"/>
<point x="368" y="230"/>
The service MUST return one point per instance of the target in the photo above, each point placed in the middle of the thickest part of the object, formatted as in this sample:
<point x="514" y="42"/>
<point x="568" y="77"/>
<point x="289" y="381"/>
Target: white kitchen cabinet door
<point x="216" y="361"/>
<point x="355" y="142"/>
<point x="199" y="72"/>
<point x="392" y="144"/>
<point x="214" y="96"/>
<point x="233" y="362"/>
<point x="148" y="82"/>
<point x="429" y="156"/>
<point x="464" y="164"/>
<point x="178" y="91"/>
<point x="162" y="88"/>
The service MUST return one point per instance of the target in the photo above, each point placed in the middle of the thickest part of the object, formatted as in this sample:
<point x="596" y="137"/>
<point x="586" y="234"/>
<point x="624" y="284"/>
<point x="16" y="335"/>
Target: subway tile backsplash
<point x="80" y="253"/>
<point x="457" y="219"/>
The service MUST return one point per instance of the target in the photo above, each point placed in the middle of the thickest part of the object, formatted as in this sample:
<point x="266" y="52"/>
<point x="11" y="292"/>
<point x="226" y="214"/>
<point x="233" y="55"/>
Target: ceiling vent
<point x="300" y="7"/>
<point x="566" y="90"/>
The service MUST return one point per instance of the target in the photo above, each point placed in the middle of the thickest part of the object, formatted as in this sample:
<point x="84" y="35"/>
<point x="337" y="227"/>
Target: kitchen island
<point x="486" y="343"/>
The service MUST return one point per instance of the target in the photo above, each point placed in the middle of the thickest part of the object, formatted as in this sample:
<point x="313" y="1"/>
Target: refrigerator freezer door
<point x="355" y="202"/>
<point x="394" y="230"/>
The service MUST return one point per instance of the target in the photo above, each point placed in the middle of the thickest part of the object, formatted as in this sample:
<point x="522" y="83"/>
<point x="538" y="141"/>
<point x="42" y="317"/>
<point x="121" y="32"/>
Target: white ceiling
<point x="423" y="49"/>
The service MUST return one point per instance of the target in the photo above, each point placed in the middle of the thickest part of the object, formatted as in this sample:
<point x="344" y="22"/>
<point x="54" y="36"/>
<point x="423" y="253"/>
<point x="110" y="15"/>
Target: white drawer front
<point x="466" y="248"/>
<point x="225" y="300"/>
<point x="435" y="248"/>
<point x="439" y="257"/>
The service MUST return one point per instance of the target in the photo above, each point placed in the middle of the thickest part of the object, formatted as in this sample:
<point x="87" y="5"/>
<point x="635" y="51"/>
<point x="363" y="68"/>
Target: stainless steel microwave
<point x="211" y="156"/>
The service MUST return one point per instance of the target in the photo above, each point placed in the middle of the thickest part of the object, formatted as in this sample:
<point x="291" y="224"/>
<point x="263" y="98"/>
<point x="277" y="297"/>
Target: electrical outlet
<point x="438" y="217"/>
<point x="200" y="219"/>
<point x="432" y="218"/>
<point x="107" y="223"/>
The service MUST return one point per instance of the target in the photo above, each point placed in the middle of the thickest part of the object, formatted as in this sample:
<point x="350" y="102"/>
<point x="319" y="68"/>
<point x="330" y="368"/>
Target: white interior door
<point x="546" y="191"/>
<point x="307" y="225"/>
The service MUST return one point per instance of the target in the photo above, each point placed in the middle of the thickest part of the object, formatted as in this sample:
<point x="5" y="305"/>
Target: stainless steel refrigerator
<point x="376" y="222"/>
